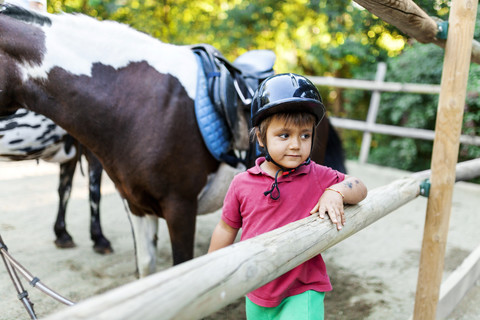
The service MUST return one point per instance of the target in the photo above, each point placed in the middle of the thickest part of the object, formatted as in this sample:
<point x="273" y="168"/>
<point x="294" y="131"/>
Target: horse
<point x="130" y="99"/>
<point x="27" y="135"/>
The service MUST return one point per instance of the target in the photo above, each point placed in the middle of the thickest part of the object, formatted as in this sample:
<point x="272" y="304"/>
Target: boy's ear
<point x="260" y="143"/>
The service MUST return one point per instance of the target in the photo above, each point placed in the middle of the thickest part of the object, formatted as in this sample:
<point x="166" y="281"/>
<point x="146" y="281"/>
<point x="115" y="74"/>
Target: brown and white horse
<point x="127" y="97"/>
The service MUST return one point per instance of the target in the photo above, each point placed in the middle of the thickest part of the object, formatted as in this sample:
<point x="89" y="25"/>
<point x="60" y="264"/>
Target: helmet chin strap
<point x="285" y="171"/>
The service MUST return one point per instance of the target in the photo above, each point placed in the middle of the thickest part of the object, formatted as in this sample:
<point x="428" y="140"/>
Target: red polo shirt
<point x="247" y="207"/>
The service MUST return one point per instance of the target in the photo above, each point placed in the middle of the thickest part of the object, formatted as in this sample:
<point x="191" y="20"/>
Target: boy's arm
<point x="223" y="235"/>
<point x="351" y="191"/>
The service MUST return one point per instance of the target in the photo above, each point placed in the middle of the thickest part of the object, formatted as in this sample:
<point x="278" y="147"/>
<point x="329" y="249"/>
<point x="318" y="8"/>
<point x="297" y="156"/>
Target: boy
<point x="285" y="111"/>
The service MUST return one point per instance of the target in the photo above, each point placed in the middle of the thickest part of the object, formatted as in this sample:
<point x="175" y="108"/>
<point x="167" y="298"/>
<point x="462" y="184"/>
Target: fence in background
<point x="370" y="126"/>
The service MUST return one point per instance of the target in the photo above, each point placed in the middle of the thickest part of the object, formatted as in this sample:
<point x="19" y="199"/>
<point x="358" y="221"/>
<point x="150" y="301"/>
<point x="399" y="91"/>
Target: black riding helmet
<point x="285" y="93"/>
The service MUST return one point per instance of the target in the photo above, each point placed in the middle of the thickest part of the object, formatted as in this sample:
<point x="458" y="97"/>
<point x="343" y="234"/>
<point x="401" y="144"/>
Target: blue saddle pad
<point x="212" y="125"/>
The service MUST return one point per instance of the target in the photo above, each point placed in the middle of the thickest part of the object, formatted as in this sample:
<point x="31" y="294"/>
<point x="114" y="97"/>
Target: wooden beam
<point x="445" y="154"/>
<point x="206" y="284"/>
<point x="475" y="56"/>
<point x="405" y="15"/>
<point x="458" y="284"/>
<point x="199" y="287"/>
<point x="413" y="21"/>
<point x="466" y="170"/>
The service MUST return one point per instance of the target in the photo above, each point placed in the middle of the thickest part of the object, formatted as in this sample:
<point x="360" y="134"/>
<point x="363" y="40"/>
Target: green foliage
<point x="310" y="37"/>
<point x="420" y="63"/>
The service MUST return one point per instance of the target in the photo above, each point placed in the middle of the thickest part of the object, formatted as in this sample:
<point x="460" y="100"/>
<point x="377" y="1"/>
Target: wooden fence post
<point x="445" y="155"/>
<point x="372" y="112"/>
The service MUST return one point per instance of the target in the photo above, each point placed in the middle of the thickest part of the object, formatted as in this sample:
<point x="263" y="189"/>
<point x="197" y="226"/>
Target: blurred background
<point x="316" y="38"/>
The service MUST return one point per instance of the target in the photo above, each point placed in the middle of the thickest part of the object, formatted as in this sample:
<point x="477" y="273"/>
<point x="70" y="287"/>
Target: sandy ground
<point x="374" y="272"/>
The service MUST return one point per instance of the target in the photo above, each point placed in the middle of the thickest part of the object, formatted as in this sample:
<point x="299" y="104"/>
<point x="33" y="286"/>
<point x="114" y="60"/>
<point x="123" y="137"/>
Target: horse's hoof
<point x="103" y="247"/>
<point x="65" y="244"/>
<point x="102" y="250"/>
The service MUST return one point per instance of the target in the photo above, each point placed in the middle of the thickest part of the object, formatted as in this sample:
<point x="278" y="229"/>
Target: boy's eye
<point x="306" y="136"/>
<point x="283" y="135"/>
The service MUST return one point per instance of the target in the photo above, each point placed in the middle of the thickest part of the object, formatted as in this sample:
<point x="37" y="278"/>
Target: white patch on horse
<point x="110" y="43"/>
<point x="28" y="135"/>
<point x="61" y="155"/>
<point x="144" y="231"/>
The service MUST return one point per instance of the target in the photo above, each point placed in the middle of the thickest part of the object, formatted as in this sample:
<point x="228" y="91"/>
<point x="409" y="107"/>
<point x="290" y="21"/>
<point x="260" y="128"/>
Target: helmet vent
<point x="294" y="80"/>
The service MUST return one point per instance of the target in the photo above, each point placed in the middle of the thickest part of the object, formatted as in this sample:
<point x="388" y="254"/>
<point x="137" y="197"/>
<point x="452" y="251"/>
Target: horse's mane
<point x="24" y="14"/>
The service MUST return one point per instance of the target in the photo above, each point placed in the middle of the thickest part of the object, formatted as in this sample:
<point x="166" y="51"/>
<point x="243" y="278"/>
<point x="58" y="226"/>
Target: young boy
<point x="285" y="111"/>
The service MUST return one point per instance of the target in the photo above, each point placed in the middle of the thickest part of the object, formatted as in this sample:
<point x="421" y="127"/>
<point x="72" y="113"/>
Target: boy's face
<point x="289" y="145"/>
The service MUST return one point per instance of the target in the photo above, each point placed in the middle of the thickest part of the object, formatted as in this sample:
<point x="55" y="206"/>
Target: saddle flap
<point x="227" y="82"/>
<point x="256" y="63"/>
<point x="228" y="97"/>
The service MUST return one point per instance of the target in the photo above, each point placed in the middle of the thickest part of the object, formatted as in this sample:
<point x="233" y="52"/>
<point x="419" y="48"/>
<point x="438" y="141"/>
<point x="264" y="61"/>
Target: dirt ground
<point x="374" y="272"/>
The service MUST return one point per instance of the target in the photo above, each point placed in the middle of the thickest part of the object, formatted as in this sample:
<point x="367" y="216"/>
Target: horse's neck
<point x="80" y="74"/>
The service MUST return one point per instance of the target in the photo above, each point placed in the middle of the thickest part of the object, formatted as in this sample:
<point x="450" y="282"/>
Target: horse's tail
<point x="334" y="156"/>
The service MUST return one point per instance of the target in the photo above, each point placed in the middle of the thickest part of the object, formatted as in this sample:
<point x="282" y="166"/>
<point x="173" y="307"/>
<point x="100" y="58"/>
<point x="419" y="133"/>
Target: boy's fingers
<point x="315" y="209"/>
<point x="333" y="215"/>
<point x="343" y="217"/>
<point x="321" y="212"/>
<point x="336" y="218"/>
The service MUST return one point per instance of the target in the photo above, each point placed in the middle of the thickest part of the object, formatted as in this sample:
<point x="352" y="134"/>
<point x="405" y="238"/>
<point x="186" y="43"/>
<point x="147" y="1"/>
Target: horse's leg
<point x="180" y="215"/>
<point x="67" y="170"/>
<point x="145" y="235"/>
<point x="100" y="243"/>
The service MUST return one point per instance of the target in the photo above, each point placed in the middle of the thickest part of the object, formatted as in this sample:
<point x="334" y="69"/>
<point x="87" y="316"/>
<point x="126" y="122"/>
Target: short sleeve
<point x="328" y="176"/>
<point x="231" y="207"/>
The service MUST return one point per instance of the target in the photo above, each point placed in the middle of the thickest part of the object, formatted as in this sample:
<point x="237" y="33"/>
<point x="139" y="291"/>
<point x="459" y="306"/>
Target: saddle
<point x="228" y="83"/>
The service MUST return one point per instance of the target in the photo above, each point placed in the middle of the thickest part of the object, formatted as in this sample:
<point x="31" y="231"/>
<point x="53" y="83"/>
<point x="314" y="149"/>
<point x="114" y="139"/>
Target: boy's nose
<point x="295" y="143"/>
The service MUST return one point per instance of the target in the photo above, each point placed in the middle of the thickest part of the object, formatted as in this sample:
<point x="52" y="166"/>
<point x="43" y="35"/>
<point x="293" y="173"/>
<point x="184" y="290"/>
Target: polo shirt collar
<point x="256" y="170"/>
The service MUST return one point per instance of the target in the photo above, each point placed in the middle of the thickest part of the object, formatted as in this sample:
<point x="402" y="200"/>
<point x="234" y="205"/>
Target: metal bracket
<point x="425" y="188"/>
<point x="442" y="30"/>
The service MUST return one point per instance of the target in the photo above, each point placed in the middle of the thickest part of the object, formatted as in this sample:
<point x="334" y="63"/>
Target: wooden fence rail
<point x="372" y="85"/>
<point x="370" y="126"/>
<point x="414" y="133"/>
<point x="206" y="284"/>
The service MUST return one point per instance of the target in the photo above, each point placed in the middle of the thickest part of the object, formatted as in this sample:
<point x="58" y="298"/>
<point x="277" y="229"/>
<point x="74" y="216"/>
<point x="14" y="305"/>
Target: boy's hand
<point x="331" y="203"/>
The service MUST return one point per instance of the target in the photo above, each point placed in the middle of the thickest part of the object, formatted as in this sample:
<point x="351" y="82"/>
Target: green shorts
<point x="304" y="306"/>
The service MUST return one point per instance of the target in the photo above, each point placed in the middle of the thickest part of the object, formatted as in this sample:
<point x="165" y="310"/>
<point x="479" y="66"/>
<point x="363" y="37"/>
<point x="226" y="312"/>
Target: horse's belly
<point x="212" y="195"/>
